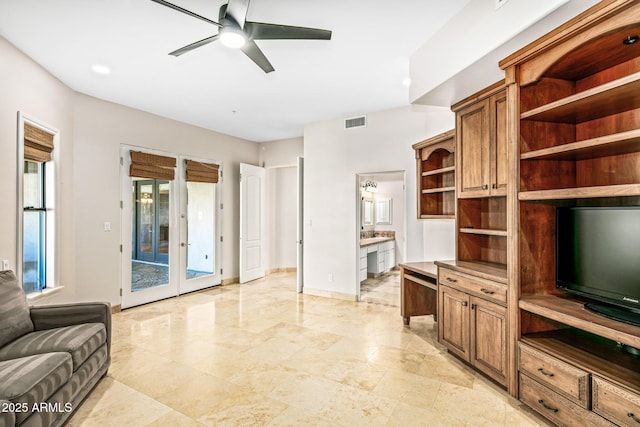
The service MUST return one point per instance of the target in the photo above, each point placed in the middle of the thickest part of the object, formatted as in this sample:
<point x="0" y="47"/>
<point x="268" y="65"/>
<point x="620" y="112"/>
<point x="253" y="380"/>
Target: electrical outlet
<point x="5" y="264"/>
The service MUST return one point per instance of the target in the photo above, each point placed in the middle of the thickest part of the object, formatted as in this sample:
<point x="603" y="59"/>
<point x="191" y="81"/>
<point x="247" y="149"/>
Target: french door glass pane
<point x="150" y="257"/>
<point x="200" y="229"/>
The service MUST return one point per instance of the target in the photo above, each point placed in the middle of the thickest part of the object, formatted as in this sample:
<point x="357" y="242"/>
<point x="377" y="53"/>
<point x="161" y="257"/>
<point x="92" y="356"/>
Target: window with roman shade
<point x="37" y="205"/>
<point x="38" y="144"/>
<point x="152" y="166"/>
<point x="202" y="172"/>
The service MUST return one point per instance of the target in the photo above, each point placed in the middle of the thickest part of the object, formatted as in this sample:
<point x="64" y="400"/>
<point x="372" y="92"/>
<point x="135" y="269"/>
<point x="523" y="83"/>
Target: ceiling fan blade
<point x="252" y="50"/>
<point x="192" y="46"/>
<point x="185" y="11"/>
<point x="237" y="10"/>
<point x="263" y="31"/>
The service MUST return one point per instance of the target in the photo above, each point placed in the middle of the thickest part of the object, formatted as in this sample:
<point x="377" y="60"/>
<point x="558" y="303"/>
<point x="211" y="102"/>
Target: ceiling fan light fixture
<point x="232" y="37"/>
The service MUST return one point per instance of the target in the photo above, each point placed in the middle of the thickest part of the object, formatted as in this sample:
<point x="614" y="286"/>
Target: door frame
<point x="403" y="244"/>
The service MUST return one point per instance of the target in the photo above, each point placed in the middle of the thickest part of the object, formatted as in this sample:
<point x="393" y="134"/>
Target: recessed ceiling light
<point x="406" y="82"/>
<point x="101" y="69"/>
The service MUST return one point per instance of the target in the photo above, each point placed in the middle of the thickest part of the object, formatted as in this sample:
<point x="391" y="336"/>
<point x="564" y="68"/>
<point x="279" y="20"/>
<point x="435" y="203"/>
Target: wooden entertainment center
<point x="563" y="129"/>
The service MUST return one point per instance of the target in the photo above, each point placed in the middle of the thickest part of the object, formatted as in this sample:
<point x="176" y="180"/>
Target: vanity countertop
<point x="374" y="240"/>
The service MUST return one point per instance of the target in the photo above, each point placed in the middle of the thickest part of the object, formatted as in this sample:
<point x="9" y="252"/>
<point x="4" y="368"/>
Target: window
<point x="36" y="165"/>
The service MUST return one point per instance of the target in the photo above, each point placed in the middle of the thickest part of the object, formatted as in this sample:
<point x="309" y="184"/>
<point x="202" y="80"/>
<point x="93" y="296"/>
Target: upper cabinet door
<point x="472" y="128"/>
<point x="499" y="170"/>
<point x="481" y="132"/>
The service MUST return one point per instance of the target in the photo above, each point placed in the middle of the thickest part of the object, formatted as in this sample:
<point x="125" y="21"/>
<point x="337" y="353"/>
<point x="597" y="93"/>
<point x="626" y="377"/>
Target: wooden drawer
<point x="561" y="411"/>
<point x="617" y="404"/>
<point x="567" y="380"/>
<point x="480" y="287"/>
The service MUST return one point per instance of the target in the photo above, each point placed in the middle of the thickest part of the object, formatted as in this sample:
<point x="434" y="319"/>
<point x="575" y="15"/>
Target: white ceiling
<point x="360" y="70"/>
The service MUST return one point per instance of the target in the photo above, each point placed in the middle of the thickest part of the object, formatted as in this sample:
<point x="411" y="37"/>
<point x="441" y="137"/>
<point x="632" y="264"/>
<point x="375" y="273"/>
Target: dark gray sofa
<point x="51" y="357"/>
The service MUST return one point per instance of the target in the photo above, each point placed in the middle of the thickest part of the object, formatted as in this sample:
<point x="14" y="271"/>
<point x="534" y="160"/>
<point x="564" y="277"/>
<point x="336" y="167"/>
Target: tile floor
<point x="260" y="354"/>
<point x="384" y="289"/>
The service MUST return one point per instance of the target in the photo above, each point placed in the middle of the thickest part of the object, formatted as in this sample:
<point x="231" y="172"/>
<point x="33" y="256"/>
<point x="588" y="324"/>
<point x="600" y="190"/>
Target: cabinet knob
<point x="449" y="279"/>
<point x="494" y="186"/>
<point x="485" y="187"/>
<point x="633" y="417"/>
<point x="487" y="291"/>
<point x="464" y="303"/>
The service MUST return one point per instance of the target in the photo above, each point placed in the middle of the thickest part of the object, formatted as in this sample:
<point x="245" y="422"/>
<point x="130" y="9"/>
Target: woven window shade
<point x="202" y="172"/>
<point x="38" y="144"/>
<point x="152" y="166"/>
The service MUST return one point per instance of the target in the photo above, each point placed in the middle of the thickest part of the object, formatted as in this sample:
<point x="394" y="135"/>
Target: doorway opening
<point x="381" y="228"/>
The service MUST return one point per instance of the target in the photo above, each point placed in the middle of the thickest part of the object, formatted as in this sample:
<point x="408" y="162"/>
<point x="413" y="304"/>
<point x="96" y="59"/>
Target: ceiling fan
<point x="235" y="31"/>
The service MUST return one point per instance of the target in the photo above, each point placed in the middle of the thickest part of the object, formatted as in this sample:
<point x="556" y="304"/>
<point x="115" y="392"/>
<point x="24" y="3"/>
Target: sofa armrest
<point x="56" y="316"/>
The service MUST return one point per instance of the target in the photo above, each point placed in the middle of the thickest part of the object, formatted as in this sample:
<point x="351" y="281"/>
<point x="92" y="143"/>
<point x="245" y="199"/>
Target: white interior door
<point x="300" y="233"/>
<point x="252" y="222"/>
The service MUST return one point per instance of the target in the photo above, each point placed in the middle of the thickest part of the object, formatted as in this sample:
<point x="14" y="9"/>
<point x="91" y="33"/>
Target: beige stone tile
<point x="132" y="360"/>
<point x="114" y="404"/>
<point x="350" y="406"/>
<point x="167" y="376"/>
<point x="446" y="368"/>
<point x="407" y="415"/>
<point x="243" y="410"/>
<point x="309" y="393"/>
<point x="262" y="379"/>
<point x="409" y="388"/>
<point x="361" y="375"/>
<point x="174" y="419"/>
<point x="480" y="406"/>
<point x="295" y="417"/>
<point x="201" y="394"/>
<point x="273" y="350"/>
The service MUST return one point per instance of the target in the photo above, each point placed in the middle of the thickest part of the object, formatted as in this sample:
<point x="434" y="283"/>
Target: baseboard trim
<point x="282" y="270"/>
<point x="230" y="281"/>
<point x="116" y="308"/>
<point x="330" y="294"/>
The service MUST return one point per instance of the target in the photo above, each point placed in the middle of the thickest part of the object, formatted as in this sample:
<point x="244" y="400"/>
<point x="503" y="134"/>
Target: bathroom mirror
<point x="367" y="212"/>
<point x="383" y="211"/>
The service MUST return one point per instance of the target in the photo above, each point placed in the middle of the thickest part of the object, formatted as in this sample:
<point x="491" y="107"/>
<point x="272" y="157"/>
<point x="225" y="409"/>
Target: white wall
<point x="92" y="132"/>
<point x="27" y="87"/>
<point x="333" y="157"/>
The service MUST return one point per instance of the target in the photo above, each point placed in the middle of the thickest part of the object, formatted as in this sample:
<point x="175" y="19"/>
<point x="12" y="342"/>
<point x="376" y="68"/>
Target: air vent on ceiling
<point x="355" y="122"/>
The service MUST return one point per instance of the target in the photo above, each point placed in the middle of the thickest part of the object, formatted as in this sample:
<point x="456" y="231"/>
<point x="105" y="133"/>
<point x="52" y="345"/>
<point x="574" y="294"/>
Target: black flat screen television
<point x="598" y="256"/>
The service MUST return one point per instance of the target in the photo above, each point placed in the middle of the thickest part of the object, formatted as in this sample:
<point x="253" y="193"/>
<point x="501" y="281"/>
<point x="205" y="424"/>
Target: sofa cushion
<point x="80" y="341"/>
<point x="33" y="379"/>
<point x="14" y="310"/>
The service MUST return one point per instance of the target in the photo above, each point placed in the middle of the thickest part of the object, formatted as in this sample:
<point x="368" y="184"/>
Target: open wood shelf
<point x="600" y="191"/>
<point x="439" y="171"/>
<point x="590" y="352"/>
<point x="484" y="231"/>
<point x="571" y="312"/>
<point x="604" y="100"/>
<point x="619" y="143"/>
<point x="437" y="216"/>
<point x="438" y="190"/>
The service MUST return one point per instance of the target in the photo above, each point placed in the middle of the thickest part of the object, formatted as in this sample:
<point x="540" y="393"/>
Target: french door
<point x="170" y="234"/>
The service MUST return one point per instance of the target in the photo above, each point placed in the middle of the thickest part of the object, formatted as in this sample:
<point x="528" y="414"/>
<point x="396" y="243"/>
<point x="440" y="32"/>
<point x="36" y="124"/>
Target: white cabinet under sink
<point x="376" y="258"/>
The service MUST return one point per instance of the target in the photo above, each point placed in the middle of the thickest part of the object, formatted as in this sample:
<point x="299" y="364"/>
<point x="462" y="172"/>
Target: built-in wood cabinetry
<point x="574" y="140"/>
<point x="435" y="165"/>
<point x="472" y="317"/>
<point x="481" y="128"/>
<point x="481" y="156"/>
